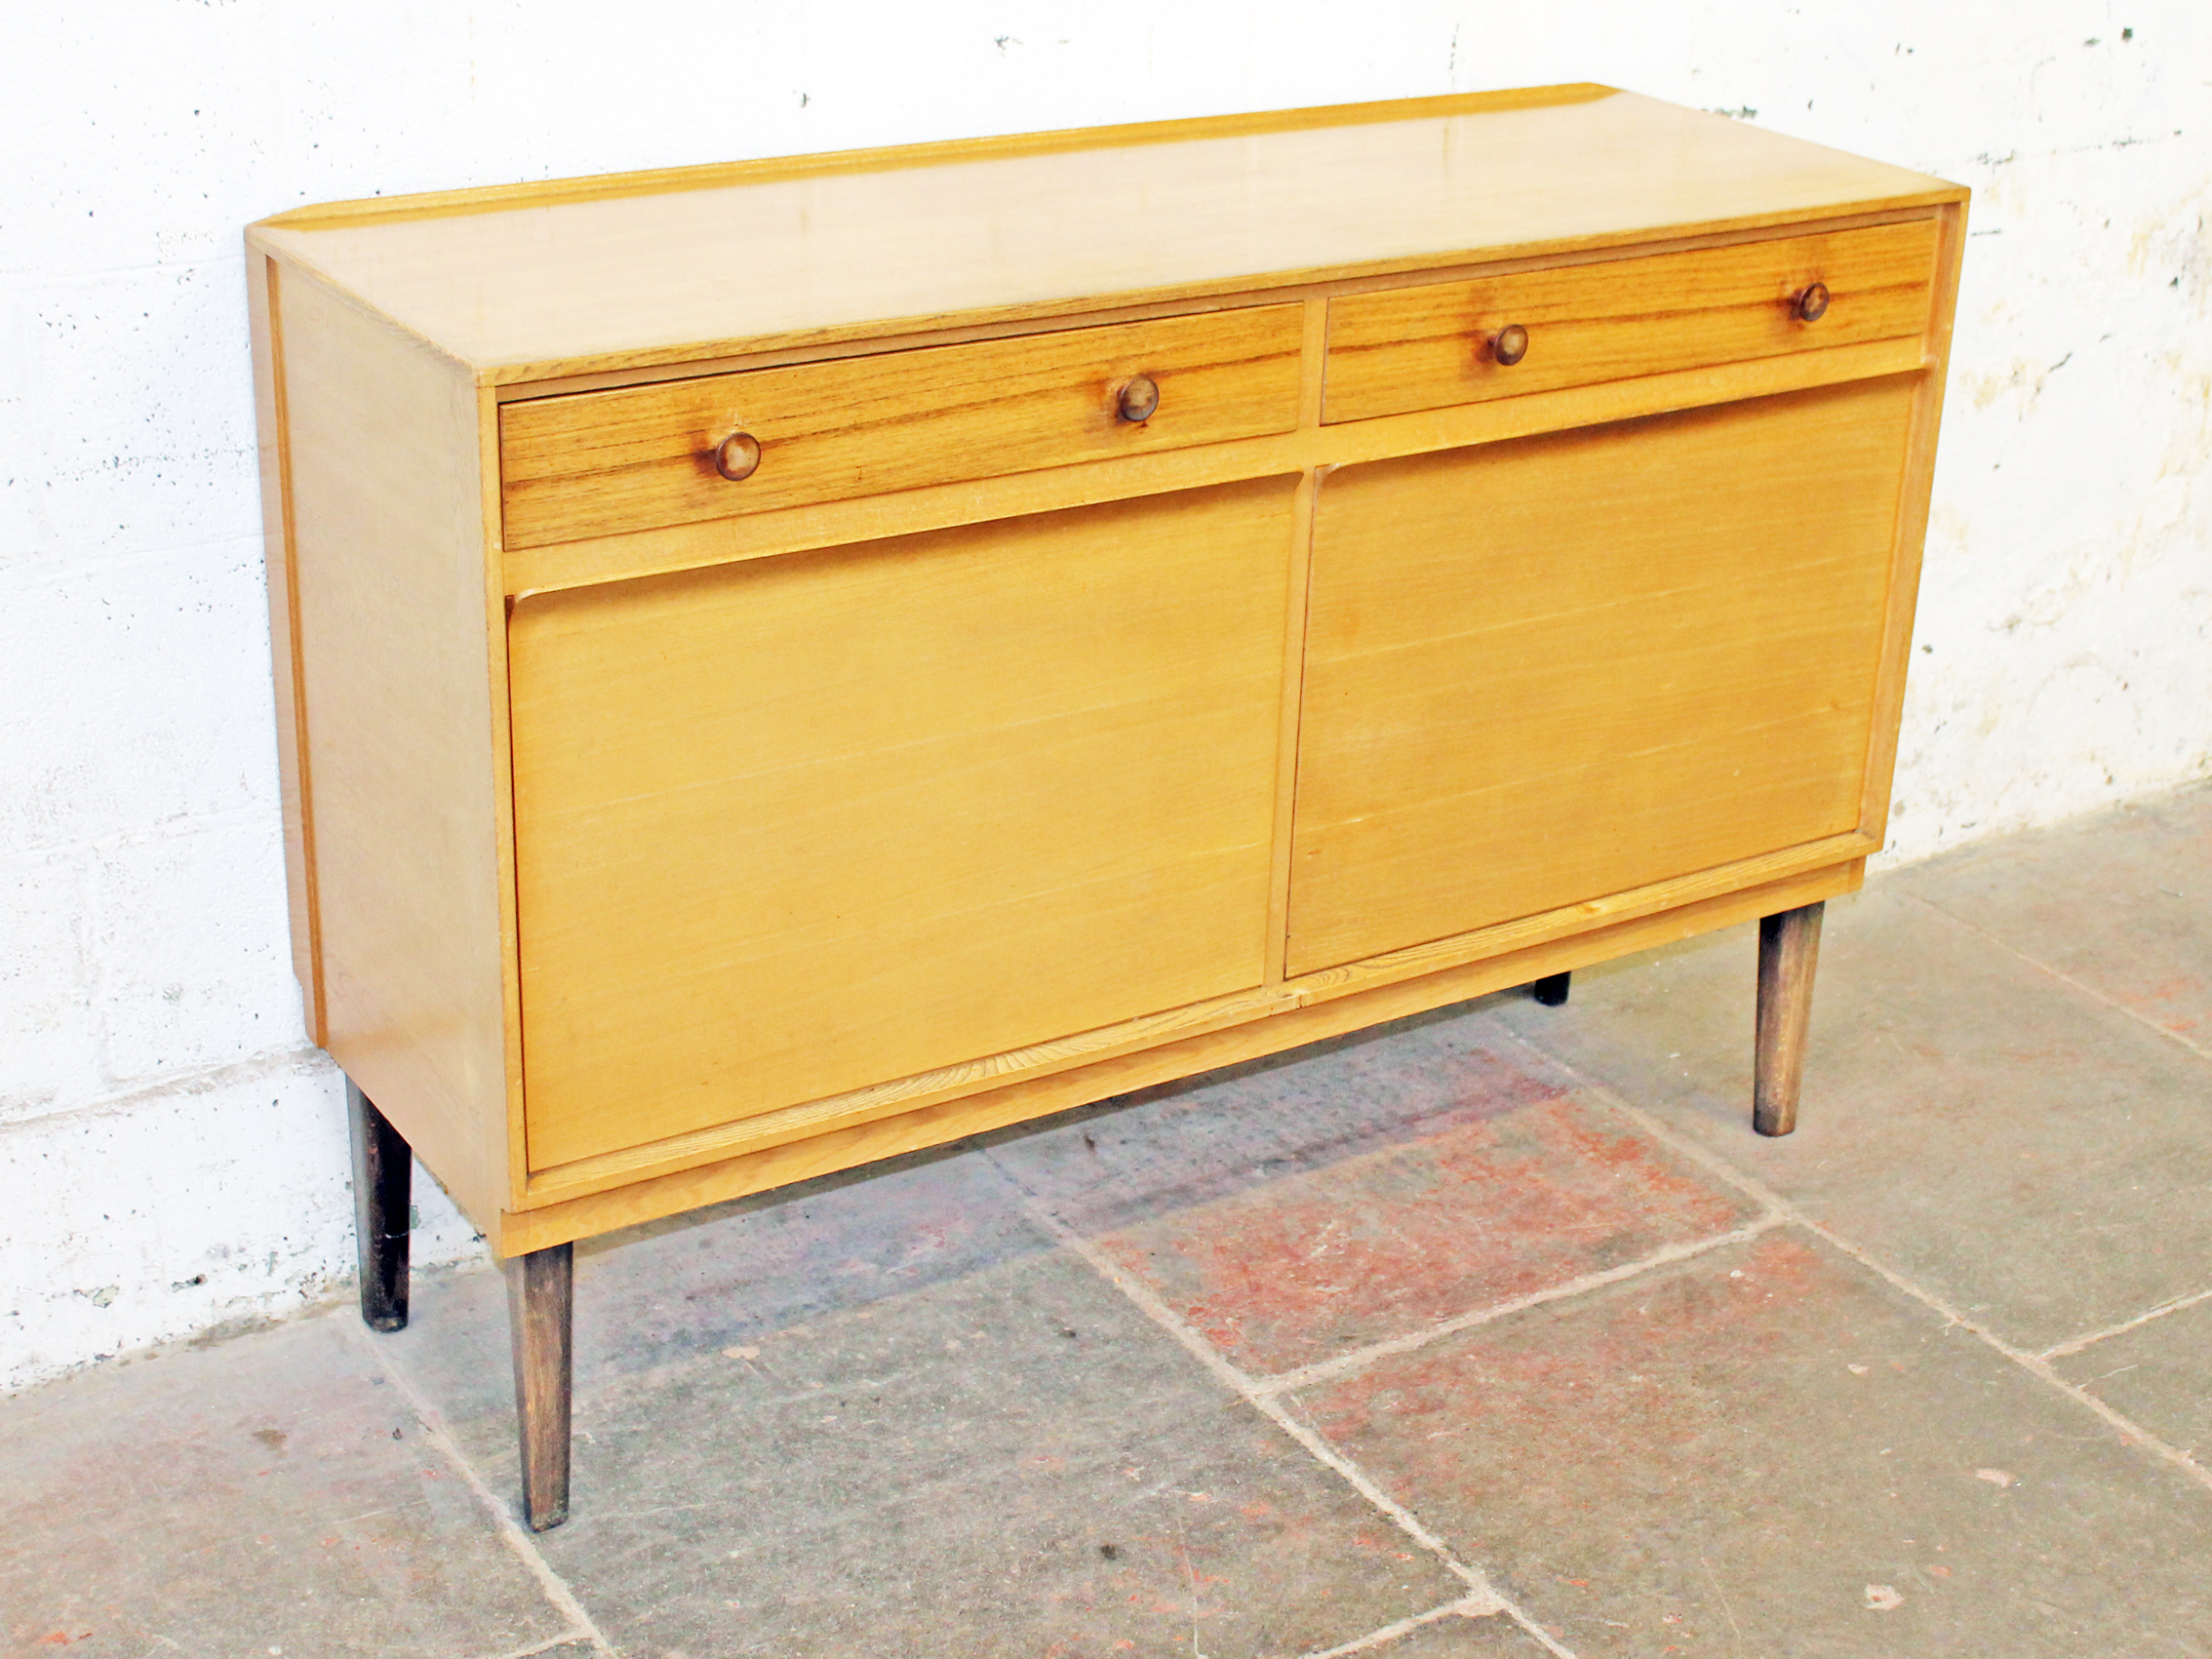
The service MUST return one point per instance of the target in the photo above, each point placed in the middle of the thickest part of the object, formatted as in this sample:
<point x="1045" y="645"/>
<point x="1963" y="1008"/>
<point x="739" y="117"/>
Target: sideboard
<point x="787" y="663"/>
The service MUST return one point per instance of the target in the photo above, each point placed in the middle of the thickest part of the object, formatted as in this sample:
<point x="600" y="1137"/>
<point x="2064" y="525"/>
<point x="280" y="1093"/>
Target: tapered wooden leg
<point x="1552" y="989"/>
<point x="384" y="1173"/>
<point x="1789" y="947"/>
<point x="540" y="1314"/>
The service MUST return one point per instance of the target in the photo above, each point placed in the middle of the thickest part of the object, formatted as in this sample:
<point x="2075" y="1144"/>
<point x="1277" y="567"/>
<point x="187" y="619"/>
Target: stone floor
<point x="1494" y="1334"/>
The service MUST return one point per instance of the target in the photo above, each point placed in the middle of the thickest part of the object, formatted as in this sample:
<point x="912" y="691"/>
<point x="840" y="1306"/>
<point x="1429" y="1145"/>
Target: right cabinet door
<point x="1543" y="671"/>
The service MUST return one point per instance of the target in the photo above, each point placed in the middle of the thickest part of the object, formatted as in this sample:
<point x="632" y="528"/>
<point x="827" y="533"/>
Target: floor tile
<point x="1366" y="1190"/>
<point x="270" y="1493"/>
<point x="1465" y="1216"/>
<point x="1166" y="1149"/>
<point x="2160" y="1374"/>
<point x="1013" y="1462"/>
<point x="884" y="1415"/>
<point x="2119" y="901"/>
<point x="2034" y="1157"/>
<point x="722" y="1276"/>
<point x="1766" y="1449"/>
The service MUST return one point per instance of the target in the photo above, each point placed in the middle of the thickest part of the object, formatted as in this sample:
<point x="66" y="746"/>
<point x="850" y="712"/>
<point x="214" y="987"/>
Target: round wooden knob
<point x="1508" y="346"/>
<point x="738" y="456"/>
<point x="1139" y="399"/>
<point x="1812" y="303"/>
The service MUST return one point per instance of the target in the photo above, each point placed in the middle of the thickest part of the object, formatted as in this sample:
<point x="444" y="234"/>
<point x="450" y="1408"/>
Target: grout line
<point x="1146" y="1299"/>
<point x="1466" y="1606"/>
<point x="2074" y="1344"/>
<point x="1539" y="1635"/>
<point x="1229" y="1376"/>
<point x="580" y="1624"/>
<point x="1482" y="1595"/>
<point x="2068" y="979"/>
<point x="1363" y="1484"/>
<point x="2131" y="1432"/>
<point x="1359" y="1358"/>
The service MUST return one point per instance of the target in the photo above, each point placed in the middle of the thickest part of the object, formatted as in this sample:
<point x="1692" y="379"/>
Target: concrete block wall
<point x="172" y="1152"/>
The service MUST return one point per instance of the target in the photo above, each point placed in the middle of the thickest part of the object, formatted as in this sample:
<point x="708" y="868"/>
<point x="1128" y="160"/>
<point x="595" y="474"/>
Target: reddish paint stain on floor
<point x="1488" y="1209"/>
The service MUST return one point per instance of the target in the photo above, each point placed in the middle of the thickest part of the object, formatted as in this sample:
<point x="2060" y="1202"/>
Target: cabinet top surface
<point x="582" y="275"/>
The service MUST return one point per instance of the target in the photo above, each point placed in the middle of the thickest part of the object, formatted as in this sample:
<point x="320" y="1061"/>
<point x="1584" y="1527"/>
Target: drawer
<point x="1409" y="348"/>
<point x="594" y="463"/>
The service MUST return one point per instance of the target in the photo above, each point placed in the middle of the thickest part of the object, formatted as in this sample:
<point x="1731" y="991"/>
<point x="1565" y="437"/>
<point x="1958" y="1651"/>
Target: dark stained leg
<point x="384" y="1172"/>
<point x="1551" y="990"/>
<point x="541" y="1313"/>
<point x="1789" y="947"/>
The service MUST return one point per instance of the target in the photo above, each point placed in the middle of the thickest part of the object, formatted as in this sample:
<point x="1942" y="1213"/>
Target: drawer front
<point x="1550" y="670"/>
<point x="596" y="463"/>
<point x="1428" y="347"/>
<point x="798" y="826"/>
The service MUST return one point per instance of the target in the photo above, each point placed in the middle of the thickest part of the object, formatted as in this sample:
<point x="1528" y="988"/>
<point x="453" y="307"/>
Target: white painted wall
<point x="172" y="1154"/>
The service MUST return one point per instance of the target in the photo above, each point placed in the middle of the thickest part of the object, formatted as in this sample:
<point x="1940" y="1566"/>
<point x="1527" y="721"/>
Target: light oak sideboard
<point x="787" y="663"/>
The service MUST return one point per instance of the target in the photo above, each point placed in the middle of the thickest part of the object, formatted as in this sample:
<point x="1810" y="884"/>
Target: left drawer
<point x="597" y="464"/>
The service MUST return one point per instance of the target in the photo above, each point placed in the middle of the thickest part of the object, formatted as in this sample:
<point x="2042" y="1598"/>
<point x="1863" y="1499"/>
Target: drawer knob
<point x="1508" y="346"/>
<point x="1139" y="399"/>
<point x="738" y="456"/>
<point x="1812" y="303"/>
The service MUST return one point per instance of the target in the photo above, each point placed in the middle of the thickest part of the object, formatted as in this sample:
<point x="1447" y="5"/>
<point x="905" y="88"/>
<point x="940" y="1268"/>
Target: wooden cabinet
<point x="787" y="663"/>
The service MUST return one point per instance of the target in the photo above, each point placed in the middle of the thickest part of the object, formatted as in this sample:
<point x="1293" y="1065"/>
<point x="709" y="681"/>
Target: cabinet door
<point x="797" y="826"/>
<point x="1545" y="671"/>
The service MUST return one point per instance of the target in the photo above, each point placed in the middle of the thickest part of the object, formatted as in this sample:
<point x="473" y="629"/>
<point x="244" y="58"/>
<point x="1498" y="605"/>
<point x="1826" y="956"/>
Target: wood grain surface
<point x="1911" y="528"/>
<point x="1789" y="953"/>
<point x="272" y="424"/>
<point x="805" y="825"/>
<point x="1771" y="872"/>
<point x="594" y="463"/>
<point x="1405" y="348"/>
<point x="1547" y="670"/>
<point x="1318" y="448"/>
<point x="389" y="569"/>
<point x="535" y="287"/>
<point x="541" y="1300"/>
<point x="849" y="1146"/>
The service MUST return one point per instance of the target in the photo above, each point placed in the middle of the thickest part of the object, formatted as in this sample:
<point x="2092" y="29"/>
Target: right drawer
<point x="1402" y="350"/>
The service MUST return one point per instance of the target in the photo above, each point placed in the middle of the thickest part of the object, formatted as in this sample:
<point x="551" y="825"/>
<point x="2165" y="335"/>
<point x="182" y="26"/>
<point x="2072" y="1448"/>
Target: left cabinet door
<point x="796" y="826"/>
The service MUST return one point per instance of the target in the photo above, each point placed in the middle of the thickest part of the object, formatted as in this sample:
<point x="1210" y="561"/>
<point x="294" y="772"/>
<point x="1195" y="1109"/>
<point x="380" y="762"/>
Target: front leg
<point x="384" y="1178"/>
<point x="542" y="1316"/>
<point x="1789" y="948"/>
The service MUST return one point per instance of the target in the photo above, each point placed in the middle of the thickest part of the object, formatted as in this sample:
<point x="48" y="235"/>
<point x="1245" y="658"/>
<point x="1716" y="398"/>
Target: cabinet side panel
<point x="1912" y="529"/>
<point x="284" y="655"/>
<point x="389" y="571"/>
